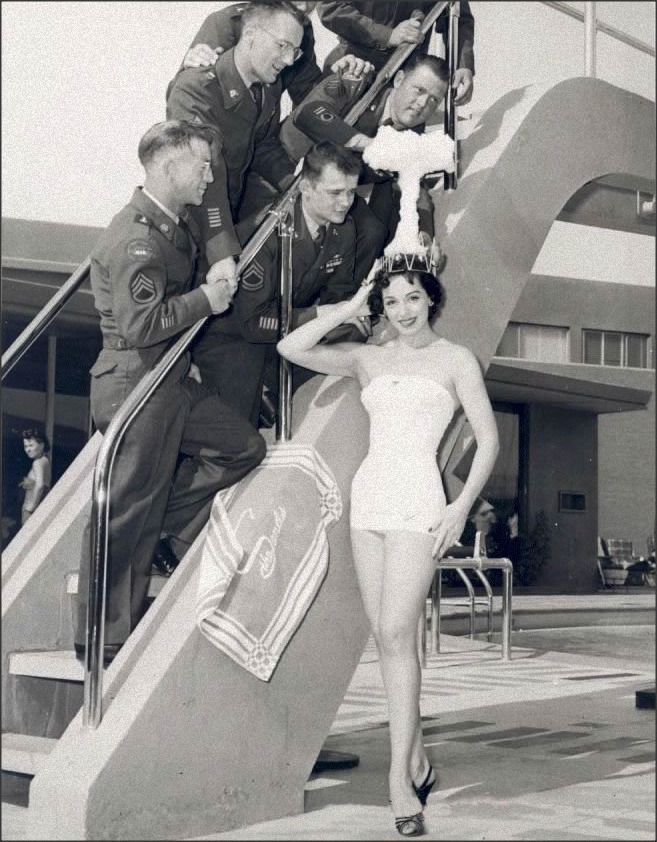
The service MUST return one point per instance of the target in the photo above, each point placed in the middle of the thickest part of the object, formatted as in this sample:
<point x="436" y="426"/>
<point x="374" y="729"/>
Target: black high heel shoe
<point x="422" y="791"/>
<point x="410" y="825"/>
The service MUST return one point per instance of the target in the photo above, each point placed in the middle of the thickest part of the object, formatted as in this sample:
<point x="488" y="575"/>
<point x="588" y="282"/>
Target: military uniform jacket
<point x="319" y="277"/>
<point x="223" y="28"/>
<point x="249" y="139"/>
<point x="142" y="273"/>
<point x="364" y="28"/>
<point x="319" y="117"/>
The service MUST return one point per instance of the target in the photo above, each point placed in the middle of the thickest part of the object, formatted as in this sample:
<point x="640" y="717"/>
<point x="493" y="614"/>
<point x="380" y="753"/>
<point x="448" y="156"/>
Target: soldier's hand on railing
<point x="352" y="66"/>
<point x="223" y="270"/>
<point x="201" y="55"/>
<point x="219" y="294"/>
<point x="406" y="32"/>
<point x="463" y="85"/>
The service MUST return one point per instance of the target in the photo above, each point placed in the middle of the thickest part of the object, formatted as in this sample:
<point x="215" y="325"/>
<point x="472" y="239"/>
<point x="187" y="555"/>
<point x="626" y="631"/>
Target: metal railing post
<point x="450" y="109"/>
<point x="590" y="28"/>
<point x="284" y="414"/>
<point x="507" y="588"/>
<point x="601" y="26"/>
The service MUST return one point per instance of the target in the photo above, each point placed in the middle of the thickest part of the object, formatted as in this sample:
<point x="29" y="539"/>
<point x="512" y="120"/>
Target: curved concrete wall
<point x="529" y="154"/>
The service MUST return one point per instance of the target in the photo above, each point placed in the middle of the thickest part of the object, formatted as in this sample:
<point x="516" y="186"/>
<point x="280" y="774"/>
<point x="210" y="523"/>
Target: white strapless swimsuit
<point x="398" y="485"/>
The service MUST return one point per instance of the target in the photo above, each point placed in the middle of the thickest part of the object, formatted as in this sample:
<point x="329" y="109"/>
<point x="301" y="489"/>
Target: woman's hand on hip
<point x="448" y="530"/>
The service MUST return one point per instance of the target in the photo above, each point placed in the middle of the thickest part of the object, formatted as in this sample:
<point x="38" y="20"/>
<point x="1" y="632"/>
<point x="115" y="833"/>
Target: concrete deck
<point x="548" y="745"/>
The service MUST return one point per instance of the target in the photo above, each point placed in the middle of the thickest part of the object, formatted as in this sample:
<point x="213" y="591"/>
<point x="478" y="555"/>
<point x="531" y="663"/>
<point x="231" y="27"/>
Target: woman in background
<point x="400" y="520"/>
<point x="37" y="482"/>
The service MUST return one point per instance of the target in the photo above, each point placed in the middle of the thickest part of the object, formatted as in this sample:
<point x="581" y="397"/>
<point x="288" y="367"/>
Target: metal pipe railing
<point x="503" y="564"/>
<point x="450" y="179"/>
<point x="284" y="416"/>
<point x="589" y="39"/>
<point x="43" y="318"/>
<point x="613" y="31"/>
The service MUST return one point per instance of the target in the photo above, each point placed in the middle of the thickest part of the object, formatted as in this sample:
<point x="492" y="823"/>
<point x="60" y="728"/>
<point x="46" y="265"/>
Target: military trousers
<point x="184" y="446"/>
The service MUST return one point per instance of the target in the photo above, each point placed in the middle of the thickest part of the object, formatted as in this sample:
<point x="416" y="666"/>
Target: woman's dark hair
<point x="413" y="267"/>
<point x="37" y="435"/>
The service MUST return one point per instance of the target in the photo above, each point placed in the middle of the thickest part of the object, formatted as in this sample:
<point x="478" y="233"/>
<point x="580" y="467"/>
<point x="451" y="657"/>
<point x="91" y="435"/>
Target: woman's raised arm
<point x="301" y="346"/>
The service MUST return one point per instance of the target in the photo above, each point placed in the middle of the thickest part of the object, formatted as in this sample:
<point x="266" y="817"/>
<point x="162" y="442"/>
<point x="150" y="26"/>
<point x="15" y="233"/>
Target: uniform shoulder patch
<point x="253" y="278"/>
<point x="142" y="289"/>
<point x="324" y="115"/>
<point x="140" y="249"/>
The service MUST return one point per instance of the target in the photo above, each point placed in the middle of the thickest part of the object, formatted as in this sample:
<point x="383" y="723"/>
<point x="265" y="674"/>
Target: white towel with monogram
<point x="266" y="555"/>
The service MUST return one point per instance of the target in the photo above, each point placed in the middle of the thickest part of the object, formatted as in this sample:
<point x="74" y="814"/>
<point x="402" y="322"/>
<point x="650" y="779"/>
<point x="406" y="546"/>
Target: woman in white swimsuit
<point x="400" y="520"/>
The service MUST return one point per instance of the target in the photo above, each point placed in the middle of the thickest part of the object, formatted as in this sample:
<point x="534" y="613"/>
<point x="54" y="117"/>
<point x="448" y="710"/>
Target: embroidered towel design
<point x="261" y="567"/>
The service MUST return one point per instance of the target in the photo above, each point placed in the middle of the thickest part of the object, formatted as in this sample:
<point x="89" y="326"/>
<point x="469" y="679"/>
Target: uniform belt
<point x="116" y="343"/>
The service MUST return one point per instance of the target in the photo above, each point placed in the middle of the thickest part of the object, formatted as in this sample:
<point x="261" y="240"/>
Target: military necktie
<point x="257" y="94"/>
<point x="319" y="237"/>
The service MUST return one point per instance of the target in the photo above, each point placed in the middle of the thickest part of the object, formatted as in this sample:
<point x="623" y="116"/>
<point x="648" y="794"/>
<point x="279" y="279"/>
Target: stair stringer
<point x="191" y="743"/>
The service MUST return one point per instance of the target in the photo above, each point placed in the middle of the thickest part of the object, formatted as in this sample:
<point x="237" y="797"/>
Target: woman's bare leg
<point x="409" y="569"/>
<point x="368" y="551"/>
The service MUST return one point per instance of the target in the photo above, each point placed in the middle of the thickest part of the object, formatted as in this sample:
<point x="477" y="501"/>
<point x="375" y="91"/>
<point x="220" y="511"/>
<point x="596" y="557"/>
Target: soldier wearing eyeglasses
<point x="240" y="97"/>
<point x="221" y="30"/>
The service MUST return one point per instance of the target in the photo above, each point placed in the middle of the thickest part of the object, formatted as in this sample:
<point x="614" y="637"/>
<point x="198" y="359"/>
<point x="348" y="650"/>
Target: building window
<point x="543" y="343"/>
<point x="607" y="347"/>
<point x="572" y="501"/>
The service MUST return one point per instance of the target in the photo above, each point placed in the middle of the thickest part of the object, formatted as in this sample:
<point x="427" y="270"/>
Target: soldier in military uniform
<point x="221" y="30"/>
<point x="143" y="272"/>
<point x="240" y="97"/>
<point x="322" y="273"/>
<point x="373" y="29"/>
<point x="416" y="92"/>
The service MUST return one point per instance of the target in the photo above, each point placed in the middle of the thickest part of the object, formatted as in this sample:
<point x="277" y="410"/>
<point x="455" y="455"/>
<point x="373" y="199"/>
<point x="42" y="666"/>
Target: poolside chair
<point x="615" y="556"/>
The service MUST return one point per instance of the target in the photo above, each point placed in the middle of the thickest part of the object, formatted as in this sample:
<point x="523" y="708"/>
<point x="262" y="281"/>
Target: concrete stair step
<point x="60" y="664"/>
<point x="155" y="585"/>
<point x="24" y="753"/>
<point x="14" y="822"/>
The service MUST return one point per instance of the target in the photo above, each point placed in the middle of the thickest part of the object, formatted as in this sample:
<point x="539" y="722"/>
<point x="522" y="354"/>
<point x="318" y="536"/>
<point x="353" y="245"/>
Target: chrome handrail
<point x="284" y="415"/>
<point x="613" y="31"/>
<point x="450" y="179"/>
<point x="43" y="318"/>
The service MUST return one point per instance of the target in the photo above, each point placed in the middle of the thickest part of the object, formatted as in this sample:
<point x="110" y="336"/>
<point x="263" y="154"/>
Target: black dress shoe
<point x="109" y="652"/>
<point x="165" y="560"/>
